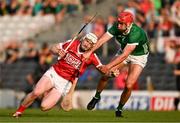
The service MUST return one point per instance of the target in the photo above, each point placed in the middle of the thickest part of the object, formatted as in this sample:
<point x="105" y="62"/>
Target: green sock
<point x="120" y="106"/>
<point x="98" y="94"/>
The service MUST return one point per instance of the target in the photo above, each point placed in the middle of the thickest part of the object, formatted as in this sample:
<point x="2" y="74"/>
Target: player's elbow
<point x="53" y="49"/>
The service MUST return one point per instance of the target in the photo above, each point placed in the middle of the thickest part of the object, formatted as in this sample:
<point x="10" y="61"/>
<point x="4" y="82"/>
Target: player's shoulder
<point x="114" y="29"/>
<point x="94" y="56"/>
<point x="136" y="29"/>
<point x="75" y="42"/>
<point x="67" y="41"/>
<point x="115" y="26"/>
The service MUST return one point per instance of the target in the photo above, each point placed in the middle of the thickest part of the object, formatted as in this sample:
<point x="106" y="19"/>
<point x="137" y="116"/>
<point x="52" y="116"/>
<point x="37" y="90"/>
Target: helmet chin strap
<point x="127" y="29"/>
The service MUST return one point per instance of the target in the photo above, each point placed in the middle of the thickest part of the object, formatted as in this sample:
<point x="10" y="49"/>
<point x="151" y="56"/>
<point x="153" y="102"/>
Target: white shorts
<point x="61" y="84"/>
<point x="140" y="60"/>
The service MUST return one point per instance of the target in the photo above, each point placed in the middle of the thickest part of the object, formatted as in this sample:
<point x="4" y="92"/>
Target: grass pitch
<point x="55" y="115"/>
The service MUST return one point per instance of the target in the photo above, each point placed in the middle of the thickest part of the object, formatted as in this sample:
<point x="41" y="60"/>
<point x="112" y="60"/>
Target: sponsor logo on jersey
<point x="71" y="60"/>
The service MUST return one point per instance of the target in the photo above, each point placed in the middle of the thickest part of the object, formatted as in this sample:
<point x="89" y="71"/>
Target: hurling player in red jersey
<point x="58" y="80"/>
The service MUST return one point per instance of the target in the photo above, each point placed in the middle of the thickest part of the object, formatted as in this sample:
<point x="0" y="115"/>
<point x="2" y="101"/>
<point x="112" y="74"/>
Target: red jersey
<point x="68" y="66"/>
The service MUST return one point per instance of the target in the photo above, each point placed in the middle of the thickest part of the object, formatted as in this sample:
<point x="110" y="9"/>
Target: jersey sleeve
<point x="134" y="38"/>
<point x="95" y="60"/>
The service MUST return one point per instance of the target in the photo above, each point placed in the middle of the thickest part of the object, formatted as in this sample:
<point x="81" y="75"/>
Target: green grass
<point x="36" y="115"/>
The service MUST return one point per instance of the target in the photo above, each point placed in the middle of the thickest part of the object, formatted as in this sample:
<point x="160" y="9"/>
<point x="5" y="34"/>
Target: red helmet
<point x="125" y="17"/>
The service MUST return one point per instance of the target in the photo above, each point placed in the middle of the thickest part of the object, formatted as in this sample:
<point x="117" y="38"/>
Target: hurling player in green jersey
<point x="134" y="53"/>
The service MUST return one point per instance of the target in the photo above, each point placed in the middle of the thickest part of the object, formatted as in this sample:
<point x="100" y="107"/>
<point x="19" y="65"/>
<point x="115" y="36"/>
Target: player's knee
<point x="129" y="86"/>
<point x="36" y="93"/>
<point x="44" y="107"/>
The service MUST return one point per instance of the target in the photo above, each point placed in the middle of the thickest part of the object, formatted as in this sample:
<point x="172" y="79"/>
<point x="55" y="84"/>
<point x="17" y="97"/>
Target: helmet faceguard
<point x="88" y="41"/>
<point x="92" y="37"/>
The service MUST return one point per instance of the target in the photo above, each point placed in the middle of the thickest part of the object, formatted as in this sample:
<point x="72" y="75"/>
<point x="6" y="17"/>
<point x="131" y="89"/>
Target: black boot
<point x="118" y="113"/>
<point x="93" y="103"/>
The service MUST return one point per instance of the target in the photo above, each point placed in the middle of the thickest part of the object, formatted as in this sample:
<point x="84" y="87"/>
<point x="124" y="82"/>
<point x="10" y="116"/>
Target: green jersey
<point x="136" y="36"/>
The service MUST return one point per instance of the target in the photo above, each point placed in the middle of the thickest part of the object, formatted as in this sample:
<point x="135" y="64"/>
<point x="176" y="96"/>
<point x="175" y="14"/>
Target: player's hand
<point x="104" y="69"/>
<point x="66" y="103"/>
<point x="61" y="53"/>
<point x="113" y="73"/>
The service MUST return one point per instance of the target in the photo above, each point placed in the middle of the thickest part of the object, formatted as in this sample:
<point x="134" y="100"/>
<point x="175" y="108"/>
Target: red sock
<point x="21" y="109"/>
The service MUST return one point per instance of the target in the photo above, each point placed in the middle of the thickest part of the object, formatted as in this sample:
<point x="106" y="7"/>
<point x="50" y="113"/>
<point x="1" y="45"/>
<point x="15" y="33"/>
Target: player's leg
<point x="50" y="99"/>
<point x="134" y="72"/>
<point x="100" y="87"/>
<point x="43" y="85"/>
<point x="61" y="87"/>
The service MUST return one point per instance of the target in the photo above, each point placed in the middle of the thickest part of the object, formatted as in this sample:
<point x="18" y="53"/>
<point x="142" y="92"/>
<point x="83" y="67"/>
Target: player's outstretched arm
<point x="100" y="42"/>
<point x="56" y="50"/>
<point x="106" y="69"/>
<point x="126" y="52"/>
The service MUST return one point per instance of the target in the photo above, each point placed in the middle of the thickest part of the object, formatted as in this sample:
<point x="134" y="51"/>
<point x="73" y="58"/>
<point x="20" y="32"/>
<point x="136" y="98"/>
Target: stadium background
<point x="29" y="27"/>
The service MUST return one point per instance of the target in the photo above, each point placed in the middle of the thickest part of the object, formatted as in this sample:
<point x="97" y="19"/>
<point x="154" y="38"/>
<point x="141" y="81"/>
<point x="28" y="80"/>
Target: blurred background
<point x="29" y="27"/>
